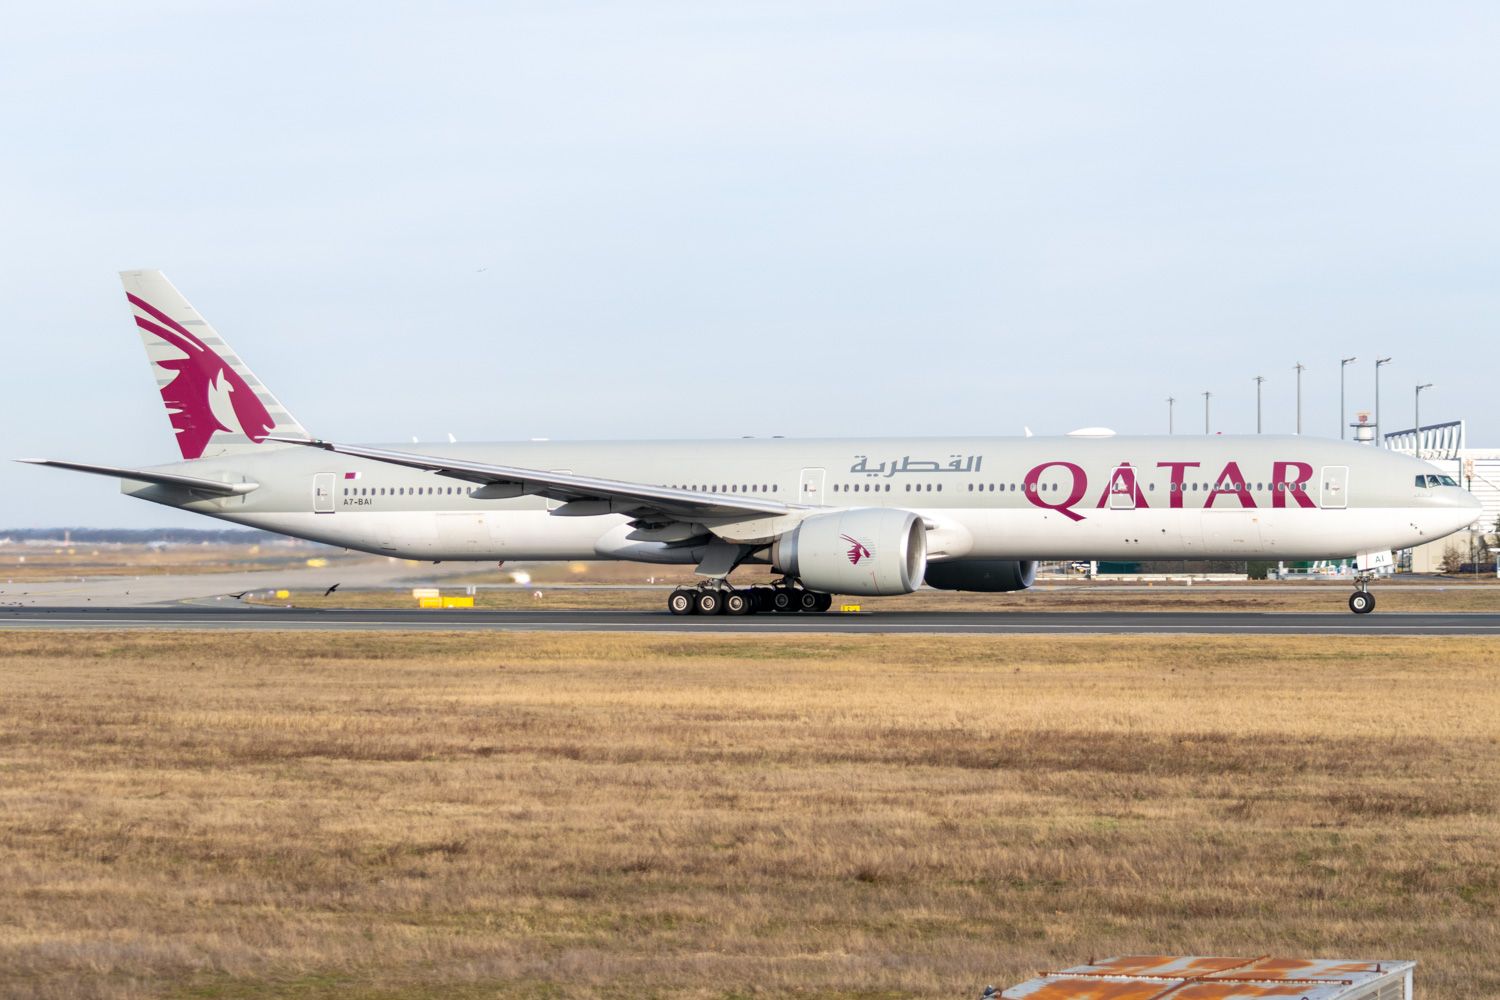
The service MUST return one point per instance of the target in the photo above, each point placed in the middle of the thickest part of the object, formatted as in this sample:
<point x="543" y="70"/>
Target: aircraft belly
<point x="445" y="535"/>
<point x="1256" y="533"/>
<point x="1230" y="534"/>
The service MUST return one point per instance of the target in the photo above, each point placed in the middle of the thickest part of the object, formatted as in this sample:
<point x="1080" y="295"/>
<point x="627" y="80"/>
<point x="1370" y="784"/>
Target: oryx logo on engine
<point x="857" y="550"/>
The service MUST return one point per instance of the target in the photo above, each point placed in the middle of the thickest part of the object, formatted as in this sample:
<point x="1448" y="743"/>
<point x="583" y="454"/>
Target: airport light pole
<point x="1258" y="380"/>
<point x="1300" y="369"/>
<point x="1343" y="420"/>
<point x="1416" y="448"/>
<point x="1378" y="363"/>
<point x="1170" y="401"/>
<point x="1206" y="397"/>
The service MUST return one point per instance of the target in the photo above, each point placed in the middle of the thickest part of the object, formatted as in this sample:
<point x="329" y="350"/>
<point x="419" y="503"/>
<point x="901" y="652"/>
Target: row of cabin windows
<point x="1151" y="487"/>
<point x="362" y="491"/>
<point x="401" y="491"/>
<point x="725" y="488"/>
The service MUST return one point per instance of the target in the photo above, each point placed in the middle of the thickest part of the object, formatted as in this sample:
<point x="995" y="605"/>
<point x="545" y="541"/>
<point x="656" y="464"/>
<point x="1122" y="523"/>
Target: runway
<point x="258" y="618"/>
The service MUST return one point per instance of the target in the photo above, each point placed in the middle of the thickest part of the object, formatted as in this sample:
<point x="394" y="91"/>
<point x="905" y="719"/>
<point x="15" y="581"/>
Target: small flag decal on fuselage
<point x="352" y="475"/>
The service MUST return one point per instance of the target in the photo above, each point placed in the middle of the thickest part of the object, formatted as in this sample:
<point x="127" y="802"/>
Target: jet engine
<point x="991" y="576"/>
<point x="868" y="551"/>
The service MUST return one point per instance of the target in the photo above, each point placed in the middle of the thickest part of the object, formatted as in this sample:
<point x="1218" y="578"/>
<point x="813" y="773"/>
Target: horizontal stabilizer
<point x="193" y="483"/>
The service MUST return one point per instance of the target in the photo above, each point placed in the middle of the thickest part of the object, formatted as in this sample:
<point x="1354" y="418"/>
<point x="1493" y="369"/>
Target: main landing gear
<point x="1362" y="602"/>
<point x="718" y="598"/>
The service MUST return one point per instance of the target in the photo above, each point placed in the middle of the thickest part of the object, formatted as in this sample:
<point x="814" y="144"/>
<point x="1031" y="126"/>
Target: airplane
<point x="849" y="516"/>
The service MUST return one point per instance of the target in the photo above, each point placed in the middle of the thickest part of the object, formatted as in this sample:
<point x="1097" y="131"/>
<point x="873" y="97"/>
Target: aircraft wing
<point x="209" y="486"/>
<point x="579" y="495"/>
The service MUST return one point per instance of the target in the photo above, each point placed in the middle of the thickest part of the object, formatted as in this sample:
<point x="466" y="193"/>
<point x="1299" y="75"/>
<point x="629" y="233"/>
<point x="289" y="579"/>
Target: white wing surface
<point x="580" y="495"/>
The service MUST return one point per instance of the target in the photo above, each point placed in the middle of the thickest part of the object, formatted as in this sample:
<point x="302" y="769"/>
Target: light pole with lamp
<point x="1379" y="362"/>
<point x="1343" y="363"/>
<point x="1170" y="400"/>
<point x="1206" y="396"/>
<point x="1300" y="369"/>
<point x="1416" y="448"/>
<point x="1258" y="380"/>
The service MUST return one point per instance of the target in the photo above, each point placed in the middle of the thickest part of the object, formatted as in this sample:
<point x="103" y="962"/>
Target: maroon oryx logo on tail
<point x="204" y="383"/>
<point x="857" y="550"/>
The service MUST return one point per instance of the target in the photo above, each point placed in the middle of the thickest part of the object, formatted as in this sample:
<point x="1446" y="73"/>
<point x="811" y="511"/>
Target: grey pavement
<point x="231" y="615"/>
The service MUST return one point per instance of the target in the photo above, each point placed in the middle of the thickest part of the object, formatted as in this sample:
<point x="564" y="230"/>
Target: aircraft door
<point x="1122" y="488"/>
<point x="1333" y="491"/>
<point x="810" y="490"/>
<point x="323" y="493"/>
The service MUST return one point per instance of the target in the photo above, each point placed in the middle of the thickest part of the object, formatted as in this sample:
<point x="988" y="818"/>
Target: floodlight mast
<point x="1343" y="364"/>
<point x="1416" y="448"/>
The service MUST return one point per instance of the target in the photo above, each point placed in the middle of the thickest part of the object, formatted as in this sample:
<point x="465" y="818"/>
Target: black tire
<point x="807" y="600"/>
<point x="709" y="602"/>
<point x="784" y="600"/>
<point x="681" y="602"/>
<point x="760" y="599"/>
<point x="1361" y="602"/>
<point x="825" y="601"/>
<point x="738" y="602"/>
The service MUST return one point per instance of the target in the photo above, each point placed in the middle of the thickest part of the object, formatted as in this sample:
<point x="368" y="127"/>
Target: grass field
<point x="19" y="564"/>
<point x="381" y="816"/>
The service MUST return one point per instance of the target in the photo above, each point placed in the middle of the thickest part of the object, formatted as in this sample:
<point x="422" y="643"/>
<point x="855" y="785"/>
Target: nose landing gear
<point x="1362" y="602"/>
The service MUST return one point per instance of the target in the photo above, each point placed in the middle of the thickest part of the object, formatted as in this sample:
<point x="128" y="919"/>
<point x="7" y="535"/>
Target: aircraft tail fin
<point x="214" y="401"/>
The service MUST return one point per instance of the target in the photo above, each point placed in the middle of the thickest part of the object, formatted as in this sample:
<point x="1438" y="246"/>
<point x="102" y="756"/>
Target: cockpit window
<point x="1430" y="481"/>
<point x="1422" y="481"/>
<point x="1446" y="480"/>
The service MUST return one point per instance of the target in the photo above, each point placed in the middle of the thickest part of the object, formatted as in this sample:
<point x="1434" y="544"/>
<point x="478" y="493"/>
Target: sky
<point x="703" y="219"/>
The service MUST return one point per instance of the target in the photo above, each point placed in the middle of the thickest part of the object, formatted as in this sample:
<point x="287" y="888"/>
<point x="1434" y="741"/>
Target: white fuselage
<point x="1125" y="498"/>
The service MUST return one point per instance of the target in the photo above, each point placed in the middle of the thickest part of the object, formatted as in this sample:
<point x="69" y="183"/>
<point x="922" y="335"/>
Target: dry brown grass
<point x="353" y="815"/>
<point x="28" y="563"/>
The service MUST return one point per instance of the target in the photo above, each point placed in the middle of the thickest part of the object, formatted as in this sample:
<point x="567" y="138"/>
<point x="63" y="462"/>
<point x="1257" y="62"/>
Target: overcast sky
<point x="697" y="219"/>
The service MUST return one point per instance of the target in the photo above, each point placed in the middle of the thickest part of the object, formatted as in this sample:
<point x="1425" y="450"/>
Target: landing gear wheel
<point x="710" y="602"/>
<point x="681" y="602"/>
<point x="808" y="600"/>
<point x="1361" y="602"/>
<point x="762" y="599"/>
<point x="738" y="603"/>
<point x="784" y="599"/>
<point x="825" y="601"/>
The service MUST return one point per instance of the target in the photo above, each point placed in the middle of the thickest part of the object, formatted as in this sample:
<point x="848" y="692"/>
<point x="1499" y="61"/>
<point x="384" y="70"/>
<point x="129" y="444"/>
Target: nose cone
<point x="1457" y="507"/>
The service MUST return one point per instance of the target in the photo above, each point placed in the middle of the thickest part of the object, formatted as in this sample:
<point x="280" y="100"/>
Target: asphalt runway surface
<point x="260" y="618"/>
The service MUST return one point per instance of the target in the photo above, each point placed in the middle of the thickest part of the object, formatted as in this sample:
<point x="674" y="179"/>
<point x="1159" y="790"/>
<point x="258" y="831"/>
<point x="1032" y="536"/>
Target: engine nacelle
<point x="868" y="551"/>
<point x="991" y="576"/>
